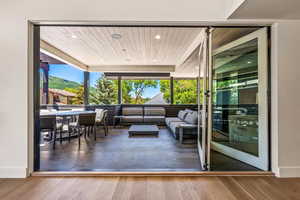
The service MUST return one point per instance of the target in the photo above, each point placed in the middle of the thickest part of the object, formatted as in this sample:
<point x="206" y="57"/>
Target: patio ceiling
<point x="132" y="49"/>
<point x="124" y="49"/>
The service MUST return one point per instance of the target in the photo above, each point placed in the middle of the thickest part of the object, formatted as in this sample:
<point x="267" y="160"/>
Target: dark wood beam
<point x="115" y="74"/>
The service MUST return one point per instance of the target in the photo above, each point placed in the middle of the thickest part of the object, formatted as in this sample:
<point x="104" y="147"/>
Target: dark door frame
<point x="36" y="77"/>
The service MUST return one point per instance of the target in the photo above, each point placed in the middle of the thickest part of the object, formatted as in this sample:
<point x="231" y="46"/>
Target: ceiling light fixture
<point x="116" y="36"/>
<point x="249" y="62"/>
<point x="74" y="36"/>
<point x="157" y="37"/>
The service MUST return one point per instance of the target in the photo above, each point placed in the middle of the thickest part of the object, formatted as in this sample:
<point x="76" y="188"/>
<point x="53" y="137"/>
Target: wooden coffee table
<point x="143" y="130"/>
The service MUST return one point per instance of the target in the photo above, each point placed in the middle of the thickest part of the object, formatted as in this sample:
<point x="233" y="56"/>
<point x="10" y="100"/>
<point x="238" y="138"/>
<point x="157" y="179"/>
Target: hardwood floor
<point x="157" y="188"/>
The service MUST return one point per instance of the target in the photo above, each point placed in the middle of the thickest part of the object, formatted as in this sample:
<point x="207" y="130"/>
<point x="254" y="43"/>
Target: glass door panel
<point x="239" y="100"/>
<point x="202" y="102"/>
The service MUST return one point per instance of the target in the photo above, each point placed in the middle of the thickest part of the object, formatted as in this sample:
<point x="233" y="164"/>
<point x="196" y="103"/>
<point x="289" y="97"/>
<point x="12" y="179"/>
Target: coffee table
<point x="143" y="130"/>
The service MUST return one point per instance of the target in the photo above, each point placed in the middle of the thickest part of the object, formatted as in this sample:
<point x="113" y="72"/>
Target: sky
<point x="70" y="73"/>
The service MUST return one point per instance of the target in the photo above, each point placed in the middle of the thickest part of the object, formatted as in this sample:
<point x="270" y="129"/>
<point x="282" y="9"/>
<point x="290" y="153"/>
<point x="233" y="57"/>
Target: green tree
<point x="165" y="89"/>
<point x="104" y="92"/>
<point x="185" y="91"/>
<point x="133" y="90"/>
<point x="79" y="92"/>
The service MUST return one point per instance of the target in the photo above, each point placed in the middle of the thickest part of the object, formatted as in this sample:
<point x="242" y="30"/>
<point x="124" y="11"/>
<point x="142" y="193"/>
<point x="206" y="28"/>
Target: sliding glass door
<point x="239" y="110"/>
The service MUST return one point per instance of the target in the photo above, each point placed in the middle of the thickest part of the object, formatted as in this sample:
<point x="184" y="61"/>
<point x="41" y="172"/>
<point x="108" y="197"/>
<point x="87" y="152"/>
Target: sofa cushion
<point x="191" y="118"/>
<point x="188" y="110"/>
<point x="132" y="111"/>
<point x="172" y="119"/>
<point x="182" y="114"/>
<point x="154" y="111"/>
<point x="159" y="119"/>
<point x="132" y="119"/>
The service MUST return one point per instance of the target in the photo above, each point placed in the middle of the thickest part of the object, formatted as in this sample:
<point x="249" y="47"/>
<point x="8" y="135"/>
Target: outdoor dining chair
<point x="49" y="123"/>
<point x="101" y="120"/>
<point x="86" y="122"/>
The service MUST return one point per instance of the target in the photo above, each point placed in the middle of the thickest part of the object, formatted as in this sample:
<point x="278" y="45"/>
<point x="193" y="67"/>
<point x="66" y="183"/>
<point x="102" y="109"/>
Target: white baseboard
<point x="13" y="172"/>
<point x="289" y="172"/>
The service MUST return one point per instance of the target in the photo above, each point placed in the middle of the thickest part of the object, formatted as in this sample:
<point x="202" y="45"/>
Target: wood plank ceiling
<point x="136" y="49"/>
<point x="122" y="46"/>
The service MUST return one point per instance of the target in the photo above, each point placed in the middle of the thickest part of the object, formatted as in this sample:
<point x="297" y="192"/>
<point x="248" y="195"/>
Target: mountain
<point x="59" y="83"/>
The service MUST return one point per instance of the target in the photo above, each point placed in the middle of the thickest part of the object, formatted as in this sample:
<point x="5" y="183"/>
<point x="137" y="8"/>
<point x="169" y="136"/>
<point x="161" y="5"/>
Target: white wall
<point x="15" y="76"/>
<point x="286" y="98"/>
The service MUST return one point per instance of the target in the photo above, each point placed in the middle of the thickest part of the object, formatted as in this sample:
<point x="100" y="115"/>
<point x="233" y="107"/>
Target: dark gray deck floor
<point x="117" y="152"/>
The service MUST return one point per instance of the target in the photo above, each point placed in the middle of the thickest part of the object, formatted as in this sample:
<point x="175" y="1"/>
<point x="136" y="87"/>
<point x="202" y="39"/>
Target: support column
<point x="86" y="85"/>
<point x="171" y="90"/>
<point x="119" y="90"/>
<point x="45" y="93"/>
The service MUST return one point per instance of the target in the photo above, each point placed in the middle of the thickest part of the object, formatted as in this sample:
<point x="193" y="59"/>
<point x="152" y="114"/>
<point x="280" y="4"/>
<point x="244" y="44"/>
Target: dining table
<point x="65" y="117"/>
<point x="65" y="113"/>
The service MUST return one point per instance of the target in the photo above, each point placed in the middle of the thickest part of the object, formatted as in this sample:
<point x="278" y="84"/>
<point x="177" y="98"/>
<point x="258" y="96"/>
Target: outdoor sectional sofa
<point x="184" y="125"/>
<point x="143" y="115"/>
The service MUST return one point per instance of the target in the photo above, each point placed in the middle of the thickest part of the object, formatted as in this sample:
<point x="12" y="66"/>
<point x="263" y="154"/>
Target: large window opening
<point x="102" y="91"/>
<point x="138" y="98"/>
<point x="145" y="91"/>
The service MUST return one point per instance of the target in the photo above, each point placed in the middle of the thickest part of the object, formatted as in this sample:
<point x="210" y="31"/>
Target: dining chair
<point x="101" y="120"/>
<point x="49" y="123"/>
<point x="86" y="122"/>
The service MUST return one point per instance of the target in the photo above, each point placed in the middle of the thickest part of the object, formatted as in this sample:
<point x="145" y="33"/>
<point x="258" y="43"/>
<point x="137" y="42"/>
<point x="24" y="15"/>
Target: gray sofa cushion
<point x="132" y="119"/>
<point x="182" y="114"/>
<point x="132" y="111"/>
<point x="157" y="119"/>
<point x="191" y="118"/>
<point x="172" y="119"/>
<point x="154" y="111"/>
<point x="188" y="110"/>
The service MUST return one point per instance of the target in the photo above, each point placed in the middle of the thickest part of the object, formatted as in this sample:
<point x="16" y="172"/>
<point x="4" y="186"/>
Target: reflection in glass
<point x="235" y="100"/>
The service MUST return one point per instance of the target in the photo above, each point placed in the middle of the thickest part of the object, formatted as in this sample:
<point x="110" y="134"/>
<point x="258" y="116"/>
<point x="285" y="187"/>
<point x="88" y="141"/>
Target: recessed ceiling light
<point x="157" y="37"/>
<point x="249" y="62"/>
<point x="74" y="36"/>
<point x="116" y="36"/>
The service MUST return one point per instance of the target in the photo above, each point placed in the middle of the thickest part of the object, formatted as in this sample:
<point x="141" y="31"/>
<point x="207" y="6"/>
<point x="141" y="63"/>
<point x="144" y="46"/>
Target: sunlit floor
<point x="117" y="152"/>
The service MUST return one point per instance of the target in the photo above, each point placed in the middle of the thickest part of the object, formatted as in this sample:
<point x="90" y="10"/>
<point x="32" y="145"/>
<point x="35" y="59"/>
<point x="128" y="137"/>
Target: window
<point x="102" y="90"/>
<point x="145" y="91"/>
<point x="185" y="91"/>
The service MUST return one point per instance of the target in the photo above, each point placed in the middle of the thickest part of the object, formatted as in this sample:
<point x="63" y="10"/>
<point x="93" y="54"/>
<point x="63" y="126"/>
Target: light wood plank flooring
<point x="156" y="188"/>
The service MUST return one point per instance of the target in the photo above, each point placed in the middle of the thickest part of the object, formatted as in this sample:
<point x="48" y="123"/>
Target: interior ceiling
<point x="268" y="9"/>
<point x="96" y="46"/>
